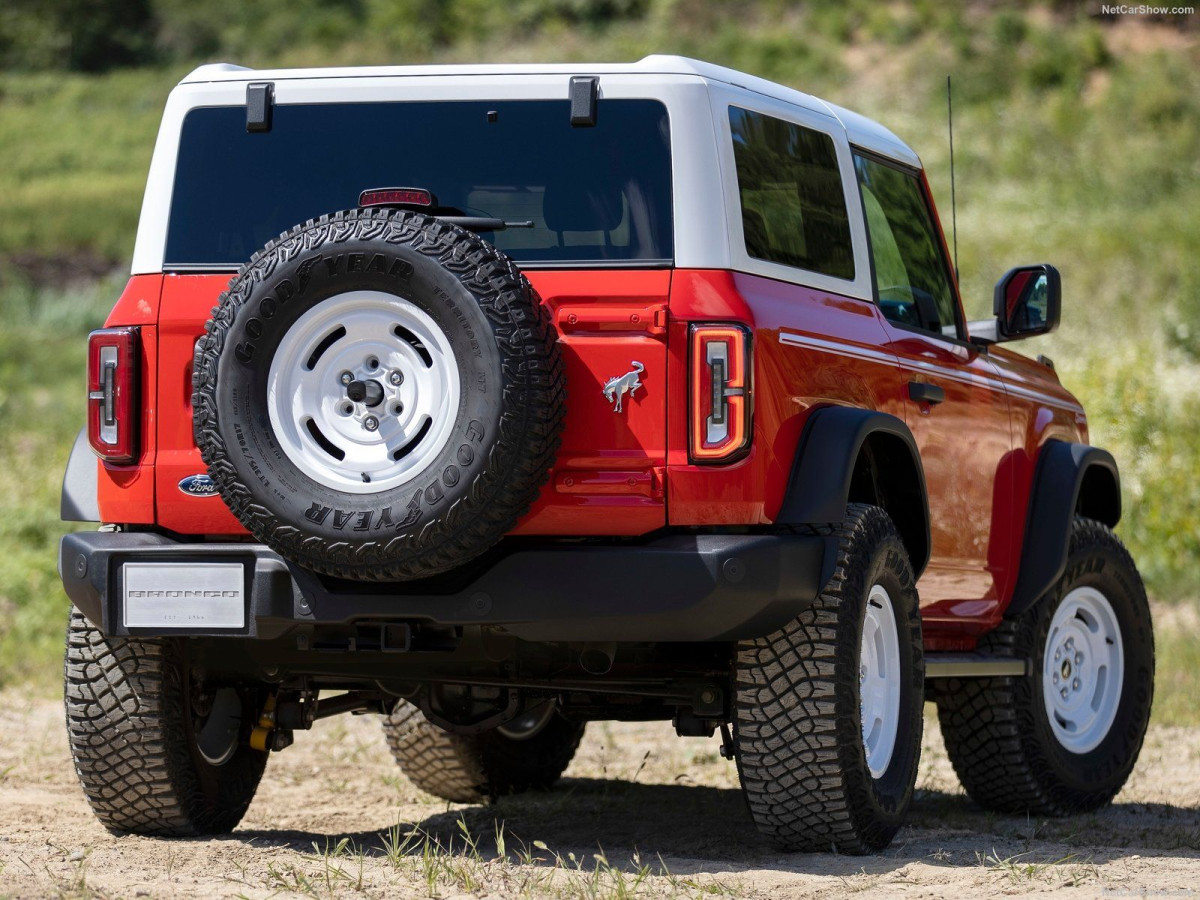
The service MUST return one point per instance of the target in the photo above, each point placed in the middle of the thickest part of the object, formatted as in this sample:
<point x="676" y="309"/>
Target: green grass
<point x="42" y="364"/>
<point x="1075" y="145"/>
<point x="1177" y="682"/>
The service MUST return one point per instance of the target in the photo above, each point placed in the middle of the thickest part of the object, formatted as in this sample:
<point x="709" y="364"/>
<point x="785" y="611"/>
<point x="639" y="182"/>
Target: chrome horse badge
<point x="616" y="388"/>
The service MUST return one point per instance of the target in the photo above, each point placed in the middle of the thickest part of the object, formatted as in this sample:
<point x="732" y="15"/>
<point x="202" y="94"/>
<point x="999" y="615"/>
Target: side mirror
<point x="1028" y="302"/>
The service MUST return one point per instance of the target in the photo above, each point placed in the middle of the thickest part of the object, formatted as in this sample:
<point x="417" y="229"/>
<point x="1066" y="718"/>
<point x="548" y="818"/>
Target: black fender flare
<point x="823" y="473"/>
<point x="1069" y="479"/>
<point x="81" y="483"/>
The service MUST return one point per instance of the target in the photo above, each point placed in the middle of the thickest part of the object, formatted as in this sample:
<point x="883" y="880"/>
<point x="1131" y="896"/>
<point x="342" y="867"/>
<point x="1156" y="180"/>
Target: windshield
<point x="599" y="194"/>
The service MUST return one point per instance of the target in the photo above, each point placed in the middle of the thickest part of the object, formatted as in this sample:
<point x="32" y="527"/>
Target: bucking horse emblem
<point x="616" y="388"/>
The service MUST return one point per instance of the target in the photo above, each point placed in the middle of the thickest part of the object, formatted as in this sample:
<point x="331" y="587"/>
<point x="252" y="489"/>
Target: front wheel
<point x="1064" y="739"/>
<point x="827" y="725"/>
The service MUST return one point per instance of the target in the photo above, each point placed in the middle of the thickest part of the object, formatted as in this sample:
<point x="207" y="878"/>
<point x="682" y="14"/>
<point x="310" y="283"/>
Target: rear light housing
<point x="403" y="196"/>
<point x="113" y="414"/>
<point x="720" y="387"/>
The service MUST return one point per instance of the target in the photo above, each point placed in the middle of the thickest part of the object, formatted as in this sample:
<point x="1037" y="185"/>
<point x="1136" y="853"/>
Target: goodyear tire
<point x="379" y="395"/>
<point x="529" y="753"/>
<point x="157" y="753"/>
<point x="1064" y="739"/>
<point x="828" y="711"/>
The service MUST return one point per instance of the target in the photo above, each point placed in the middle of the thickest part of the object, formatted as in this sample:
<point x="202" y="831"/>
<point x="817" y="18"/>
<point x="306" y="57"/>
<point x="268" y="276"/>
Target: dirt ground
<point x="640" y="813"/>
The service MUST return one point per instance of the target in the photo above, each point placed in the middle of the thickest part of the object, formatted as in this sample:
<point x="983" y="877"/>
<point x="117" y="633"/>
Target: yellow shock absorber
<point x="260" y="737"/>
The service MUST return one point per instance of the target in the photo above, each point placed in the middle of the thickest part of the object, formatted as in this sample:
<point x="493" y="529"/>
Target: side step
<point x="973" y="665"/>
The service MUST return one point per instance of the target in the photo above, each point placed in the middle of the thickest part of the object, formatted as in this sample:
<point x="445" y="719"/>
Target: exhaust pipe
<point x="597" y="658"/>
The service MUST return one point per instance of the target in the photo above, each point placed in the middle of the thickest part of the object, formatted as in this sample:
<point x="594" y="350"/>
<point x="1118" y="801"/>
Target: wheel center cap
<point x="369" y="392"/>
<point x="1066" y="669"/>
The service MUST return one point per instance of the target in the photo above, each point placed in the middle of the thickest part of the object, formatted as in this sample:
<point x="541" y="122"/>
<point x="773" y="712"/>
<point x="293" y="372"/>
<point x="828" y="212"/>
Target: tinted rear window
<point x="594" y="194"/>
<point x="793" y="204"/>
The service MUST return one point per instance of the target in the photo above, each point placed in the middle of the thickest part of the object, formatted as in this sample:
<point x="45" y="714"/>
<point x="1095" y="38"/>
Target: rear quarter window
<point x="600" y="194"/>
<point x="793" y="203"/>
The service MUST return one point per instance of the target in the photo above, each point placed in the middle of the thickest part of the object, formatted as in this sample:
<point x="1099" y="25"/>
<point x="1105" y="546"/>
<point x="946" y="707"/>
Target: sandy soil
<point x="642" y="812"/>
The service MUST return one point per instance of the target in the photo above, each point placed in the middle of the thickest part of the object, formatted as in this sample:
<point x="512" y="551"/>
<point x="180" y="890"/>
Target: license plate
<point x="184" y="595"/>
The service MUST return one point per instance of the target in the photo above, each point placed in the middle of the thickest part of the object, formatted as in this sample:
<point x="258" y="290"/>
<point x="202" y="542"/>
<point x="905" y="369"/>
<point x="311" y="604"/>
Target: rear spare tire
<point x="379" y="395"/>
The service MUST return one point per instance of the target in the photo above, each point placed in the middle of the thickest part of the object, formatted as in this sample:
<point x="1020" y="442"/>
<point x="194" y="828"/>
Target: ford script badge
<point x="198" y="486"/>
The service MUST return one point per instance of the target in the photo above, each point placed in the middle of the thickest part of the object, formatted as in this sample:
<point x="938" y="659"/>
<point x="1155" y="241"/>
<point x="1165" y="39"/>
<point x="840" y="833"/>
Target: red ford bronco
<point x="497" y="400"/>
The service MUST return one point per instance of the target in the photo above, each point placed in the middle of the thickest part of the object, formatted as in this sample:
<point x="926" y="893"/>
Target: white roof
<point x="859" y="129"/>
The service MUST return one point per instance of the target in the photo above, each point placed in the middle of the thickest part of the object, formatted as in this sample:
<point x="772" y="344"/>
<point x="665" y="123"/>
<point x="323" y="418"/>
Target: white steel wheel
<point x="1083" y="669"/>
<point x="363" y="391"/>
<point x="879" y="680"/>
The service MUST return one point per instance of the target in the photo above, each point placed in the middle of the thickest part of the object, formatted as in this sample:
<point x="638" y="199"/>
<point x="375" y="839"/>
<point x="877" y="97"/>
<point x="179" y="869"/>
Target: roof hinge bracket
<point x="584" y="91"/>
<point x="260" y="98"/>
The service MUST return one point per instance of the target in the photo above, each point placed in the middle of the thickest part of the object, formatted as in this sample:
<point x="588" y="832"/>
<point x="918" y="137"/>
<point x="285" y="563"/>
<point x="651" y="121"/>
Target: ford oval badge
<point x="198" y="486"/>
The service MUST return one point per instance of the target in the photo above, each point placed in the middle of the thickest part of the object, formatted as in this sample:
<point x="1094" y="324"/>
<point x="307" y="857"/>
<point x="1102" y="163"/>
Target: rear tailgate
<point x="608" y="478"/>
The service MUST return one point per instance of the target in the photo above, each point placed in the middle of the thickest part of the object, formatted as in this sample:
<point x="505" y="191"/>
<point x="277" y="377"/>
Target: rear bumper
<point x="675" y="588"/>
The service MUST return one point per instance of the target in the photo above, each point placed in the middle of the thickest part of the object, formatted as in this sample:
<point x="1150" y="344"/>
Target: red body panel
<point x="964" y="444"/>
<point x="811" y="349"/>
<point x="1040" y="409"/>
<point x="187" y="302"/>
<point x="609" y="475"/>
<point x="125" y="494"/>
<point x="608" y="478"/>
<point x="629" y="473"/>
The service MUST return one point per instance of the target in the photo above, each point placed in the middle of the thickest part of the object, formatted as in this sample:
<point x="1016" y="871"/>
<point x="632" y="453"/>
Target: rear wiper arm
<point x="483" y="223"/>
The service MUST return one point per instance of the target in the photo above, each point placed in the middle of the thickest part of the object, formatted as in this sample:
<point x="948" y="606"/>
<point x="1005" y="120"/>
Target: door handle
<point x="924" y="392"/>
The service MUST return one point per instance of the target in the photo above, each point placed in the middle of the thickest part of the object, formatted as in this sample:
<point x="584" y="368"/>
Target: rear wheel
<point x="528" y="753"/>
<point x="1064" y="739"/>
<point x="156" y="751"/>
<point x="827" y="727"/>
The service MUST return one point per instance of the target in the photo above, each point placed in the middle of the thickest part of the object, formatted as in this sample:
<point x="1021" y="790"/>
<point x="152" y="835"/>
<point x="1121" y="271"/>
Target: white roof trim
<point x="860" y="130"/>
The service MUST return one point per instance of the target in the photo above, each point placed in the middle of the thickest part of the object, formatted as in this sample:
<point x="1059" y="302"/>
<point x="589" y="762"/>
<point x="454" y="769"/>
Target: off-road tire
<point x="797" y="723"/>
<point x="470" y="769"/>
<point x="130" y="728"/>
<point x="505" y="435"/>
<point x="997" y="730"/>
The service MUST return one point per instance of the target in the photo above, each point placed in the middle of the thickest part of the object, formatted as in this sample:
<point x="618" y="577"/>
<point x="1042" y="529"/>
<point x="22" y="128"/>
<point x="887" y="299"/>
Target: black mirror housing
<point x="1028" y="302"/>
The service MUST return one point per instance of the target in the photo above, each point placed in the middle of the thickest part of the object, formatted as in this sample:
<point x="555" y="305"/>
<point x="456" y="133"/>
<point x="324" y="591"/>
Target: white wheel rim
<point x="1083" y="669"/>
<point x="879" y="681"/>
<point x="414" y="365"/>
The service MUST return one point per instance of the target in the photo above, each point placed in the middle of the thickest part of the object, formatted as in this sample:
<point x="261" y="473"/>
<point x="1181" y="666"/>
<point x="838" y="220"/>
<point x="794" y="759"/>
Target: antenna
<point x="953" y="204"/>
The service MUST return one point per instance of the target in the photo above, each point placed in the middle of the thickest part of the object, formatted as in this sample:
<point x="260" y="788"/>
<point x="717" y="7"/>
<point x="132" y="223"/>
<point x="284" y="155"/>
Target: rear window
<point x="793" y="203"/>
<point x="598" y="194"/>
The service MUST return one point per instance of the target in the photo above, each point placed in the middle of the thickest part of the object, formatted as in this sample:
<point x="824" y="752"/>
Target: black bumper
<point x="676" y="588"/>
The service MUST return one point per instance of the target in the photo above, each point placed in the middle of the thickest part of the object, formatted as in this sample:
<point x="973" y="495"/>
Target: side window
<point x="793" y="205"/>
<point x="912" y="279"/>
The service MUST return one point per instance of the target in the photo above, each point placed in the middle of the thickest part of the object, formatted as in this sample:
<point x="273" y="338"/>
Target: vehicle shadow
<point x="691" y="829"/>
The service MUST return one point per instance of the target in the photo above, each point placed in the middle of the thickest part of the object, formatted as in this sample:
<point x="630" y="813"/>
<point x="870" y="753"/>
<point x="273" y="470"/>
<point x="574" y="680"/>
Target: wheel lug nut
<point x="1057" y="655"/>
<point x="346" y="377"/>
<point x="396" y="377"/>
<point x="1056" y="678"/>
<point x="1078" y="658"/>
<point x="1075" y="685"/>
<point x="1064" y="693"/>
<point x="370" y="423"/>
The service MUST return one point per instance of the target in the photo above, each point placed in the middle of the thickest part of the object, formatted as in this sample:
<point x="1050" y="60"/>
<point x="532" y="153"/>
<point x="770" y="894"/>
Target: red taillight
<point x="397" y="197"/>
<point x="720" y="393"/>
<point x="112" y="394"/>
